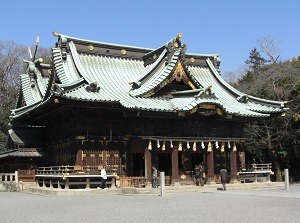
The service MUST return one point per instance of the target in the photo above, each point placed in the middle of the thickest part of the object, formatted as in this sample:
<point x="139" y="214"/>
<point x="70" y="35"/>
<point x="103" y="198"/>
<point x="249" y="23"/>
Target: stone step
<point x="157" y="191"/>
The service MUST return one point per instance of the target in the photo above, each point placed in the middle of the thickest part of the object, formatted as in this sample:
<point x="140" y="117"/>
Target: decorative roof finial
<point x="178" y="37"/>
<point x="55" y="34"/>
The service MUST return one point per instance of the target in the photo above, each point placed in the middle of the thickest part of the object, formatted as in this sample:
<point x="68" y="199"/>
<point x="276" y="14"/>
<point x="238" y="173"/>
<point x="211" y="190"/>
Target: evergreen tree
<point x="255" y="61"/>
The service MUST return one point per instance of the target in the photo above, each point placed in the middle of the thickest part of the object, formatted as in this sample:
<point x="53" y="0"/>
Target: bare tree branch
<point x="270" y="47"/>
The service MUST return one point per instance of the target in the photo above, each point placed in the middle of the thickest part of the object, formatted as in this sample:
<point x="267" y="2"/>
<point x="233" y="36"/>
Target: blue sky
<point x="227" y="27"/>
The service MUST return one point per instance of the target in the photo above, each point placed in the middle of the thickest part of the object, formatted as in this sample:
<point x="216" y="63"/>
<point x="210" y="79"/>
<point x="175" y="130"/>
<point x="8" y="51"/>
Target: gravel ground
<point x="215" y="206"/>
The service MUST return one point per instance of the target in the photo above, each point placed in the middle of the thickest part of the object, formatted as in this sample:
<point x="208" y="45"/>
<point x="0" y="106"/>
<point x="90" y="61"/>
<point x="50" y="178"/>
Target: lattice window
<point x="92" y="157"/>
<point x="114" y="157"/>
<point x="114" y="162"/>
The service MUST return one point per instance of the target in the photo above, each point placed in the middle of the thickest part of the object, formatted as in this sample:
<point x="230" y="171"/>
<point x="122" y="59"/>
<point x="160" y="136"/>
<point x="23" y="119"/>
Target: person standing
<point x="154" y="177"/>
<point x="203" y="173"/>
<point x="197" y="174"/>
<point x="223" y="175"/>
<point x="103" y="178"/>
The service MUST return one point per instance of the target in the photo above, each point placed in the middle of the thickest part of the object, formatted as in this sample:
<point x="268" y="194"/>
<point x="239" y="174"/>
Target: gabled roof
<point x="85" y="70"/>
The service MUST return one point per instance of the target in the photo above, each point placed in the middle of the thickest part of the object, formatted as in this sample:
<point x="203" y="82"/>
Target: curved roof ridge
<point x="58" y="65"/>
<point x="19" y="95"/>
<point x="71" y="85"/>
<point x="240" y="94"/>
<point x="101" y="43"/>
<point x="150" y="68"/>
<point x="278" y="103"/>
<point x="81" y="70"/>
<point x="157" y="77"/>
<point x="42" y="83"/>
<point x="201" y="55"/>
<point x="23" y="111"/>
<point x="227" y="86"/>
<point x="30" y="94"/>
<point x="24" y="108"/>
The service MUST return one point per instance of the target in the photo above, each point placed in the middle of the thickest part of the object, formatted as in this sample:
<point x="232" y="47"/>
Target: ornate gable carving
<point x="169" y="74"/>
<point x="177" y="81"/>
<point x="180" y="75"/>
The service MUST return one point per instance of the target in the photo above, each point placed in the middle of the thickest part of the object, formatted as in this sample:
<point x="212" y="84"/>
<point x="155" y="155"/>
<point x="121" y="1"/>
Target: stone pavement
<point x="208" y="205"/>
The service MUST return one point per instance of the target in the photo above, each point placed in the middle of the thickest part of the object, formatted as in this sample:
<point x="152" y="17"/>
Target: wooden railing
<point x="139" y="181"/>
<point x="9" y="177"/>
<point x="133" y="181"/>
<point x="255" y="167"/>
<point x="75" y="176"/>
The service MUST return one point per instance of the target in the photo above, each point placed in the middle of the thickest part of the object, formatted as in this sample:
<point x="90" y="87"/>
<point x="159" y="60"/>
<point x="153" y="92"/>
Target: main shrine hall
<point x="130" y="108"/>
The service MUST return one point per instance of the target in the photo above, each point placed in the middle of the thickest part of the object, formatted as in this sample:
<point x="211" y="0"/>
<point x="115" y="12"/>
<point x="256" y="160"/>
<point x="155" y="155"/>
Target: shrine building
<point x="129" y="108"/>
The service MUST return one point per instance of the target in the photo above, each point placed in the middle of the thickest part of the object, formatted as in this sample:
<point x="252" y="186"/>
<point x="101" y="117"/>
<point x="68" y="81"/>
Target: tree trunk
<point x="275" y="162"/>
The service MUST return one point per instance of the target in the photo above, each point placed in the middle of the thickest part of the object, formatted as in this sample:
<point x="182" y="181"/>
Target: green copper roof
<point x="131" y="76"/>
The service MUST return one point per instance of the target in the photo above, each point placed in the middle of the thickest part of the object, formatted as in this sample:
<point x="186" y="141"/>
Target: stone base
<point x="212" y="182"/>
<point x="234" y="181"/>
<point x="174" y="184"/>
<point x="149" y="185"/>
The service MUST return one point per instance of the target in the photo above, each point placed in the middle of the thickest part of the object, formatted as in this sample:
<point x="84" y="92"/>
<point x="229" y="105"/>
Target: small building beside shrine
<point x="129" y="108"/>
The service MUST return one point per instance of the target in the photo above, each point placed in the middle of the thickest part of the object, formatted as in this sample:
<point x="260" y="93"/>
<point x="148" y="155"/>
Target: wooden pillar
<point x="210" y="167"/>
<point x="105" y="152"/>
<point x="233" y="167"/>
<point x="79" y="160"/>
<point x="175" y="169"/>
<point x="242" y="160"/>
<point x="67" y="184"/>
<point x="148" y="169"/>
<point x="88" y="183"/>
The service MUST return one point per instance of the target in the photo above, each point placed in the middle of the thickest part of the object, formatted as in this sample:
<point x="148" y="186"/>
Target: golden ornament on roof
<point x="219" y="111"/>
<point x="91" y="47"/>
<point x="179" y="36"/>
<point x="123" y="51"/>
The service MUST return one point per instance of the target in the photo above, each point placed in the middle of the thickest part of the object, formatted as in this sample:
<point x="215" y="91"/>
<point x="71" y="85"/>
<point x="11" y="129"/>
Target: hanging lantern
<point x="202" y="145"/>
<point x="217" y="145"/>
<point x="180" y="147"/>
<point x="158" y="145"/>
<point x="194" y="146"/>
<point x="163" y="148"/>
<point x="188" y="145"/>
<point x="229" y="146"/>
<point x="150" y="145"/>
<point x="171" y="144"/>
<point x="209" y="149"/>
<point x="234" y="147"/>
<point x="222" y="147"/>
